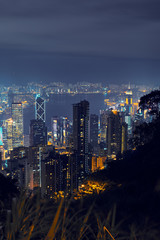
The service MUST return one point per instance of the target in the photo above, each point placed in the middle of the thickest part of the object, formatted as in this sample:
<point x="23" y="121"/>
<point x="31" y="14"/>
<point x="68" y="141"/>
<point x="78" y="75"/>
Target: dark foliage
<point x="7" y="188"/>
<point x="146" y="133"/>
<point x="151" y="102"/>
<point x="136" y="191"/>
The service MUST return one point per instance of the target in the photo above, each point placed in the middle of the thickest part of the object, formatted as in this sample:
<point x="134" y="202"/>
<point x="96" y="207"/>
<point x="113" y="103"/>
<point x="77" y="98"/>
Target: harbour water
<point x="61" y="105"/>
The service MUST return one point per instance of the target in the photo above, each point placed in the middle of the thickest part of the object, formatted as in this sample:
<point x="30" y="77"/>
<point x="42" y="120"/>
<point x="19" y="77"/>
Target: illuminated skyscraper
<point x="129" y="101"/>
<point x="7" y="133"/>
<point x="54" y="174"/>
<point x="94" y="132"/>
<point x="114" y="133"/>
<point x="128" y="121"/>
<point x="124" y="137"/>
<point x="38" y="133"/>
<point x="2" y="152"/>
<point x="59" y="127"/>
<point x="34" y="157"/>
<point x="40" y="109"/>
<point x="80" y="139"/>
<point x="103" y="125"/>
<point x="17" y="127"/>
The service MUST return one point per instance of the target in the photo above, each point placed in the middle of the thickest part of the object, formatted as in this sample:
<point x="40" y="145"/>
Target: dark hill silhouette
<point x="137" y="189"/>
<point x="8" y="189"/>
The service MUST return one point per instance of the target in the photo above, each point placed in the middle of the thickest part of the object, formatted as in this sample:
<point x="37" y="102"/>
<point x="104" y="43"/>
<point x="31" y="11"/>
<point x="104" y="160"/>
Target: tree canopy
<point x="151" y="102"/>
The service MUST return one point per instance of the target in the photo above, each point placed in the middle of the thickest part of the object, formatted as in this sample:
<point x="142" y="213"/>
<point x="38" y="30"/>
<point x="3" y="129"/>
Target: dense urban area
<point x="59" y="159"/>
<point x="102" y="157"/>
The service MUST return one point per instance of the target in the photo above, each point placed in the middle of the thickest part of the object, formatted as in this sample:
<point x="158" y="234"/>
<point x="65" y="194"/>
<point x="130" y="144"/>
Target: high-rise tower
<point x="80" y="138"/>
<point x="38" y="133"/>
<point x="40" y="109"/>
<point x="114" y="133"/>
<point x="59" y="127"/>
<point x="7" y="133"/>
<point x="129" y="101"/>
<point x="17" y="127"/>
<point x="94" y="132"/>
<point x="103" y="125"/>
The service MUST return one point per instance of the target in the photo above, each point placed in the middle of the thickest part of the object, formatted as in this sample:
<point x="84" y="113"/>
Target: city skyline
<point x="79" y="119"/>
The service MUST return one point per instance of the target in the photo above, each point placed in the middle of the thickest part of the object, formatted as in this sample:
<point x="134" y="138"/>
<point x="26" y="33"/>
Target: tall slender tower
<point x="38" y="133"/>
<point x="103" y="125"/>
<point x="129" y="110"/>
<point x="7" y="133"/>
<point x="124" y="137"/>
<point x="114" y="133"/>
<point x="40" y="109"/>
<point x="129" y="101"/>
<point x="59" y="130"/>
<point x="80" y="139"/>
<point x="94" y="132"/>
<point x="17" y="127"/>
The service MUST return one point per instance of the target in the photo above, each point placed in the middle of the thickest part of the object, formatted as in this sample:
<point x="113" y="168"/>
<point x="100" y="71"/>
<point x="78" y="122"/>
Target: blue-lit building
<point x="60" y="126"/>
<point x="40" y="109"/>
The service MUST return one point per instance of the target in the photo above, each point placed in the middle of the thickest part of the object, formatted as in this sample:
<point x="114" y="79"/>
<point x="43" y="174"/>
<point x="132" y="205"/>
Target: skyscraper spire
<point x="129" y="86"/>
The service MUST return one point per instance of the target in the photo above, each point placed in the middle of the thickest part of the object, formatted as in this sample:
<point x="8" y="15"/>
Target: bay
<point x="62" y="105"/>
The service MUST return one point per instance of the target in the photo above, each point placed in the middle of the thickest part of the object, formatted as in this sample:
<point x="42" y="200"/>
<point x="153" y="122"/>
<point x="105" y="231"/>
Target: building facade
<point x="80" y="139"/>
<point x="17" y="125"/>
<point x="59" y="127"/>
<point x="40" y="109"/>
<point x="114" y="133"/>
<point x="94" y="132"/>
<point x="38" y="133"/>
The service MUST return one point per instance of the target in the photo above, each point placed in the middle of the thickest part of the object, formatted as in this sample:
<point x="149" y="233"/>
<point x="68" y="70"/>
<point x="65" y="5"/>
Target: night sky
<point x="86" y="40"/>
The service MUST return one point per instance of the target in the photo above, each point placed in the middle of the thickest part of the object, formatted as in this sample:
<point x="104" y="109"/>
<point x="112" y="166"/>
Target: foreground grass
<point x="33" y="218"/>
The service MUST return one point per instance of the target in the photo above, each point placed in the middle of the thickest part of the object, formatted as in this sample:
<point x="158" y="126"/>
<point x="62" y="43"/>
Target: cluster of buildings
<point x="39" y="163"/>
<point x="57" y="162"/>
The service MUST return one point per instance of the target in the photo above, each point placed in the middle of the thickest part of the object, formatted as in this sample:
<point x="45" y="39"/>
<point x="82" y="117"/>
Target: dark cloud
<point x="86" y="29"/>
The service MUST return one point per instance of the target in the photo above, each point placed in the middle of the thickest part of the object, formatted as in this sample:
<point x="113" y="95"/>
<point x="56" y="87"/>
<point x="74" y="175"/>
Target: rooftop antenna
<point x="129" y="86"/>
